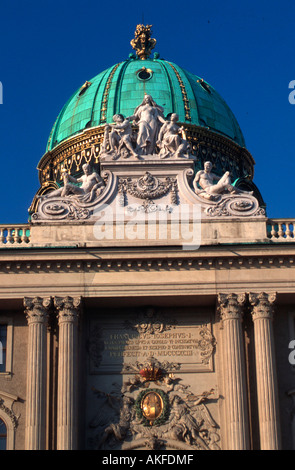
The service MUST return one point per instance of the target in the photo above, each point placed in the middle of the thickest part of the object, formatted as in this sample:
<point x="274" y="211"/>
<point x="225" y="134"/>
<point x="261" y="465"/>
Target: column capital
<point x="68" y="308"/>
<point x="230" y="306"/>
<point x="37" y="308"/>
<point x="262" y="304"/>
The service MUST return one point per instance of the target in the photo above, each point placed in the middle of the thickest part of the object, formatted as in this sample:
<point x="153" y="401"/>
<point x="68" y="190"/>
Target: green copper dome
<point x="121" y="88"/>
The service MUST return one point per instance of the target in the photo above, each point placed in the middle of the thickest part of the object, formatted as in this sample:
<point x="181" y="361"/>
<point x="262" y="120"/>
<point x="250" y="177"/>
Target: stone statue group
<point x="155" y="134"/>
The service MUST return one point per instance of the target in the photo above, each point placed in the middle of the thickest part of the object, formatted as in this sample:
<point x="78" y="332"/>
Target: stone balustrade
<point x="278" y="230"/>
<point x="14" y="235"/>
<point x="281" y="230"/>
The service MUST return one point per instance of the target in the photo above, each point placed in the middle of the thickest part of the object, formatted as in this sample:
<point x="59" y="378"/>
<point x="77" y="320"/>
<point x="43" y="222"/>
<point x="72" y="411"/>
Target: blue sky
<point x="244" y="49"/>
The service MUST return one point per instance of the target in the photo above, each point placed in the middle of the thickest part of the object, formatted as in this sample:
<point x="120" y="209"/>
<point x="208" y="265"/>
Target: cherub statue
<point x="118" y="137"/>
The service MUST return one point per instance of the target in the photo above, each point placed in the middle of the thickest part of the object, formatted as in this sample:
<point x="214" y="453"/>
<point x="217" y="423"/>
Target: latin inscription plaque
<point x="115" y="343"/>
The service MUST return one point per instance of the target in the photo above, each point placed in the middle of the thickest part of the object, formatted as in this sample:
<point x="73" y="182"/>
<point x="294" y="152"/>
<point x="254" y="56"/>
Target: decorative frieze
<point x="194" y="261"/>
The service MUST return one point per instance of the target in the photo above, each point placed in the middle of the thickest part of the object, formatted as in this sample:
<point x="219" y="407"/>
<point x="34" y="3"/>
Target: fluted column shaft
<point x="267" y="394"/>
<point x="36" y="310"/>
<point x="231" y="311"/>
<point x="67" y="406"/>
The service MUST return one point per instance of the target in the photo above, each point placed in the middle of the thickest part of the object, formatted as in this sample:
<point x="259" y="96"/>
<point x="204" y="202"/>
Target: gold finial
<point x="142" y="42"/>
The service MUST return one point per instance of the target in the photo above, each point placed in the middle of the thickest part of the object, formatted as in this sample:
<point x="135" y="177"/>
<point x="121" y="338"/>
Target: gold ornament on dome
<point x="142" y="42"/>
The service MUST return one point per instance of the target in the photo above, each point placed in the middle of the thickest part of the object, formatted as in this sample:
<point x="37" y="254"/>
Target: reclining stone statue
<point x="92" y="185"/>
<point x="205" y="186"/>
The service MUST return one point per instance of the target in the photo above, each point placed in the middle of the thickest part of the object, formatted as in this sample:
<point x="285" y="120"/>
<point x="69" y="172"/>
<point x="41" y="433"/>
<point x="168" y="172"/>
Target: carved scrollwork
<point x="138" y="415"/>
<point x="262" y="304"/>
<point x="150" y="322"/>
<point x="234" y="205"/>
<point x="206" y="344"/>
<point x="148" y="187"/>
<point x="9" y="412"/>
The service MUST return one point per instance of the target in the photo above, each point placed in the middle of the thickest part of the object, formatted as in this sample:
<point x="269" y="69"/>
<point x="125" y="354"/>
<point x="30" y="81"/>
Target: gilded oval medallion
<point x="152" y="406"/>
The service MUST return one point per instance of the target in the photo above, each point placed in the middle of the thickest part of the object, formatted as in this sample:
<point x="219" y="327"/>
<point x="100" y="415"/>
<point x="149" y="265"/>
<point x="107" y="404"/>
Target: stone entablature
<point x="127" y="272"/>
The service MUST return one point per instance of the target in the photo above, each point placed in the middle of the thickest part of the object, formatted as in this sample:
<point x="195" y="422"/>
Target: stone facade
<point x="217" y="321"/>
<point x="149" y="301"/>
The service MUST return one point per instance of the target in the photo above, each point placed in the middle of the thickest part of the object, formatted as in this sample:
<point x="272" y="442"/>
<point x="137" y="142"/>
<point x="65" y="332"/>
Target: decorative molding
<point x="230" y="306"/>
<point x="37" y="309"/>
<point x="184" y="94"/>
<point x="262" y="305"/>
<point x="68" y="308"/>
<point x="6" y="404"/>
<point x="176" y="263"/>
<point x="148" y="187"/>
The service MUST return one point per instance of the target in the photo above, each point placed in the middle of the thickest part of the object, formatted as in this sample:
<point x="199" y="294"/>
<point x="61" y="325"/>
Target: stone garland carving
<point x="206" y="344"/>
<point x="148" y="187"/>
<point x="138" y="415"/>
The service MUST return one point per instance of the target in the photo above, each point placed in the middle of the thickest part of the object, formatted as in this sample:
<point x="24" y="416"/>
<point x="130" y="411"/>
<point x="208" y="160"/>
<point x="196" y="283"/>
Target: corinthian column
<point x="68" y="313"/>
<point x="36" y="310"/>
<point x="230" y="307"/>
<point x="262" y="314"/>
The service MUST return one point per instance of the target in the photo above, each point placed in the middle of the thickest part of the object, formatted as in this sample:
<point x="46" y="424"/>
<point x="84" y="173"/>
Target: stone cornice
<point x="145" y="262"/>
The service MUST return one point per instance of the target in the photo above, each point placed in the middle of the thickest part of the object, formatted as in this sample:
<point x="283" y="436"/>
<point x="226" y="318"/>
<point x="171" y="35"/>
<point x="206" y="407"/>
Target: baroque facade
<point x="149" y="301"/>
